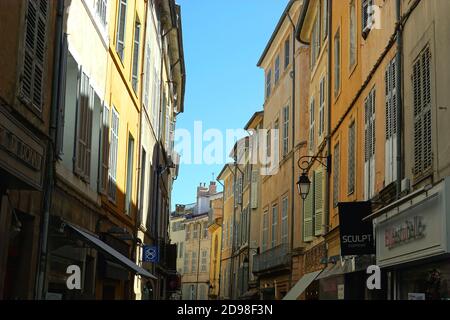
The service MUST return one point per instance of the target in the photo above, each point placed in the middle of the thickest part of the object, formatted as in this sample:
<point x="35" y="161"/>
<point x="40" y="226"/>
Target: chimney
<point x="212" y="188"/>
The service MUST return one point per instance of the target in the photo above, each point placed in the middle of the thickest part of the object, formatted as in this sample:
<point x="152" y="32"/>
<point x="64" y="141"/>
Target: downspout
<point x="221" y="238"/>
<point x="327" y="176"/>
<point x="51" y="156"/>
<point x="399" y="98"/>
<point x="293" y="75"/>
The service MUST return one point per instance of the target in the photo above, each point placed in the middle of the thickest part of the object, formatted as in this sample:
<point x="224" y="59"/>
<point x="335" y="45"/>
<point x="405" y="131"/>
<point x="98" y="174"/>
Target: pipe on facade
<point x="399" y="66"/>
<point x="329" y="80"/>
<point x="51" y="145"/>
<point x="221" y="237"/>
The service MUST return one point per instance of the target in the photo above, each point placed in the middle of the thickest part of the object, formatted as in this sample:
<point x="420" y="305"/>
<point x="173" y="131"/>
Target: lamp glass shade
<point x="303" y="185"/>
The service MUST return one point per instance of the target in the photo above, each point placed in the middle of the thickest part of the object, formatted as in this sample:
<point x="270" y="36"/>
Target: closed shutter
<point x="351" y="158"/>
<point x="62" y="96"/>
<point x="391" y="123"/>
<point x="121" y="28"/>
<point x="112" y="185"/>
<point x="322" y="107"/>
<point x="308" y="218"/>
<point x="318" y="203"/>
<point x="372" y="144"/>
<point x="311" y="125"/>
<point x="147" y="75"/>
<point x="104" y="150"/>
<point x="284" y="221"/>
<point x="254" y="192"/>
<point x="85" y="108"/>
<point x="35" y="46"/>
<point x="369" y="163"/>
<point x="336" y="175"/>
<point x="421" y="80"/>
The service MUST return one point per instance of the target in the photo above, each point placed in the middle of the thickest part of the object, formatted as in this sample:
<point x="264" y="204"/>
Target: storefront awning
<point x="301" y="285"/>
<point x="120" y="258"/>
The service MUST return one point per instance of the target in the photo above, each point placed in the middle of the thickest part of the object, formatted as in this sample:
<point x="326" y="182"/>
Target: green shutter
<point x="308" y="218"/>
<point x="318" y="203"/>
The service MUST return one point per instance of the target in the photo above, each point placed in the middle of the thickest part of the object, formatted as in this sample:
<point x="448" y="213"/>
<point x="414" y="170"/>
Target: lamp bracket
<point x="305" y="163"/>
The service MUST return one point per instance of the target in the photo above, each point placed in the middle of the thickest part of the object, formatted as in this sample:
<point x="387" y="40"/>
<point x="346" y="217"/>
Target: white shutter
<point x="318" y="203"/>
<point x="311" y="125"/>
<point x="112" y="185"/>
<point x="104" y="151"/>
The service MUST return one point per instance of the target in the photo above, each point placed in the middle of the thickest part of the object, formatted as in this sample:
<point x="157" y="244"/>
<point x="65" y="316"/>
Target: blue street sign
<point x="150" y="254"/>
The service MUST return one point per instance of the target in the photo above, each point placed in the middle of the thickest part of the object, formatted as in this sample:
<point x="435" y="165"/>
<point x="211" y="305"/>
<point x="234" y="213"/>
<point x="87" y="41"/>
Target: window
<point x="284" y="221"/>
<point x="336" y="174"/>
<point x="137" y="41"/>
<point x="315" y="38"/>
<point x="287" y="52"/>
<point x="205" y="230"/>
<point x="130" y="170"/>
<point x="312" y="123"/>
<point x="85" y="109"/>
<point x="324" y="19"/>
<point x="104" y="150"/>
<point x="285" y="130"/>
<point x="148" y="63"/>
<point x="178" y="225"/>
<point x="32" y="76"/>
<point x="122" y="19"/>
<point x="337" y="63"/>
<point x="322" y="107"/>
<point x="421" y="80"/>
<point x="265" y="230"/>
<point x="204" y="261"/>
<point x="369" y="133"/>
<point x="202" y="292"/>
<point x="318" y="203"/>
<point x="194" y="262"/>
<point x="112" y="184"/>
<point x="195" y="230"/>
<point x="277" y="69"/>
<point x="391" y="122"/>
<point x="268" y="83"/>
<point x="186" y="262"/>
<point x="193" y="293"/>
<point x="101" y="10"/>
<point x="180" y="254"/>
<point x="268" y="143"/>
<point x="367" y="16"/>
<point x="274" y="225"/>
<point x="353" y="39"/>
<point x="188" y="232"/>
<point x="351" y="158"/>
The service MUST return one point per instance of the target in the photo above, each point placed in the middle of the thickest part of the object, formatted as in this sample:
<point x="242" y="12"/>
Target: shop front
<point x="412" y="237"/>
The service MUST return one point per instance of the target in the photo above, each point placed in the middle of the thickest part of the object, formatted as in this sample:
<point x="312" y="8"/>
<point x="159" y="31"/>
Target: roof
<point x="255" y="116"/>
<point x="301" y="22"/>
<point x="275" y="32"/>
<point x="225" y="167"/>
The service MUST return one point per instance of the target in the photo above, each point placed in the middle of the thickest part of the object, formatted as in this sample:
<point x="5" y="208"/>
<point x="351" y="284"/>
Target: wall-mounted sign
<point x="356" y="234"/>
<point x="409" y="230"/>
<point x="150" y="254"/>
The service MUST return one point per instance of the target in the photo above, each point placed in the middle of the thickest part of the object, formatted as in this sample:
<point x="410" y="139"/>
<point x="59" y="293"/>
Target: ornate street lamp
<point x="305" y="163"/>
<point x="303" y="185"/>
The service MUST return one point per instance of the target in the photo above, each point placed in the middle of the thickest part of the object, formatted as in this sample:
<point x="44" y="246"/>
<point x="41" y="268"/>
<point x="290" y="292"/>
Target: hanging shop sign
<point x="356" y="234"/>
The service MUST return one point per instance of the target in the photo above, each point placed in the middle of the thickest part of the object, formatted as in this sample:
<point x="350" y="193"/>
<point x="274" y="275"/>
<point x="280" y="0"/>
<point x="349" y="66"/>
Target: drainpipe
<point x="293" y="75"/>
<point x="221" y="238"/>
<point x="399" y="98"/>
<point x="51" y="156"/>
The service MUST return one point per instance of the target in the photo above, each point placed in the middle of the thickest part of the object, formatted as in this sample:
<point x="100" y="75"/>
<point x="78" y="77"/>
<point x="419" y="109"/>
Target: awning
<point x="120" y="258"/>
<point x="301" y="285"/>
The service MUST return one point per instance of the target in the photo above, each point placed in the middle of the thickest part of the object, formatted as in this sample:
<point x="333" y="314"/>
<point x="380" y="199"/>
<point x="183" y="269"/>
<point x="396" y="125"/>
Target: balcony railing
<point x="275" y="258"/>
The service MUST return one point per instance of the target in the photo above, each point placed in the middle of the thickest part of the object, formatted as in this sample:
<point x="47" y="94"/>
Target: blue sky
<point x="223" y="41"/>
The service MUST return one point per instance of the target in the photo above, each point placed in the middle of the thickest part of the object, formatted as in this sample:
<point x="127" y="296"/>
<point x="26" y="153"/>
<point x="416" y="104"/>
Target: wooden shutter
<point x="104" y="150"/>
<point x="336" y="174"/>
<point x="85" y="109"/>
<point x="391" y="123"/>
<point x="62" y="96"/>
<point x="421" y="80"/>
<point x="254" y="192"/>
<point x="35" y="47"/>
<point x="318" y="203"/>
<point x="308" y="218"/>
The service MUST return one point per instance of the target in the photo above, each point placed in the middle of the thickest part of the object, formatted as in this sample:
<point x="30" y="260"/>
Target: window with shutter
<point x="254" y="192"/>
<point x="120" y="45"/>
<point x="353" y="40"/>
<point x="147" y="73"/>
<point x="337" y="62"/>
<point x="83" y="141"/>
<point x="351" y="158"/>
<point x="287" y="53"/>
<point x="324" y="19"/>
<point x="101" y="11"/>
<point x="336" y="174"/>
<point x="367" y="16"/>
<point x="104" y="150"/>
<point x="130" y="171"/>
<point x="274" y="225"/>
<point x="391" y="123"/>
<point x="421" y="81"/>
<point x="277" y="69"/>
<point x="35" y="44"/>
<point x="322" y="107"/>
<point x="285" y="130"/>
<point x="284" y="221"/>
<point x="308" y="218"/>
<point x="369" y="134"/>
<point x="112" y="172"/>
<point x="136" y="49"/>
<point x="312" y="125"/>
<point x="268" y="83"/>
<point x="318" y="203"/>
<point x="265" y="230"/>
